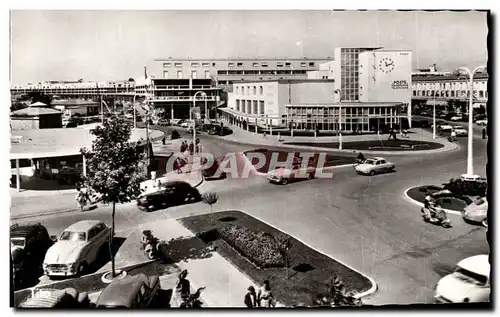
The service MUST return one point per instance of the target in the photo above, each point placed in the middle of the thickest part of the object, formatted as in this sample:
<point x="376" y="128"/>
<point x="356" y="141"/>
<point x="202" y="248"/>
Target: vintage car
<point x="460" y="130"/>
<point x="482" y="122"/>
<point x="57" y="298"/>
<point x="444" y="127"/>
<point x="456" y="118"/>
<point x="28" y="245"/>
<point x="477" y="212"/>
<point x="374" y="166"/>
<point x="78" y="246"/>
<point x="296" y="171"/>
<point x="469" y="283"/>
<point x="220" y="131"/>
<point x="169" y="194"/>
<point x="133" y="291"/>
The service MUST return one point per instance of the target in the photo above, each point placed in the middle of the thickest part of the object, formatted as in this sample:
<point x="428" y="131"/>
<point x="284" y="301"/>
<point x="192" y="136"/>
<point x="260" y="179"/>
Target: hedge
<point x="460" y="187"/>
<point x="260" y="248"/>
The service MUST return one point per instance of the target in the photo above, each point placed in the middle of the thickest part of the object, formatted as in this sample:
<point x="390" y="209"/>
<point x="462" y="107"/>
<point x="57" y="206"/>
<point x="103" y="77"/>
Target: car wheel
<point x="372" y="172"/>
<point x="284" y="181"/>
<point x="82" y="268"/>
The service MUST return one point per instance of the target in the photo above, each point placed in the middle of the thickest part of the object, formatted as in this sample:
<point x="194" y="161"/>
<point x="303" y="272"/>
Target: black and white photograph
<point x="168" y="158"/>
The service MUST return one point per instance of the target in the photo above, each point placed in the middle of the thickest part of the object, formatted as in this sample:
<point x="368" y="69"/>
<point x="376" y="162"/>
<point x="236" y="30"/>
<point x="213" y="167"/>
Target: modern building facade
<point x="371" y="89"/>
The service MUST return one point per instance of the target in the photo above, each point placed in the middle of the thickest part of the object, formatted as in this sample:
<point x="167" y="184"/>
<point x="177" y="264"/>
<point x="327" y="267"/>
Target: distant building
<point x="73" y="107"/>
<point x="36" y="116"/>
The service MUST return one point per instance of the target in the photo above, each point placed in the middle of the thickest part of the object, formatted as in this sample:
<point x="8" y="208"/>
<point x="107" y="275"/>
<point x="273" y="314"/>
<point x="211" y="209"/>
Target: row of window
<point x="240" y="64"/>
<point x="449" y="93"/>
<point x="355" y="111"/>
<point x="453" y="85"/>
<point x="194" y="74"/>
<point x="261" y="90"/>
<point x="246" y="107"/>
<point x="261" y="72"/>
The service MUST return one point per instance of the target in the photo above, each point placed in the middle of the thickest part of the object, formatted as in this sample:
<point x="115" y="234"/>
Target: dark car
<point x="211" y="172"/>
<point x="173" y="135"/>
<point x="221" y="131"/>
<point x="66" y="298"/>
<point x="133" y="291"/>
<point x="170" y="194"/>
<point x="28" y="245"/>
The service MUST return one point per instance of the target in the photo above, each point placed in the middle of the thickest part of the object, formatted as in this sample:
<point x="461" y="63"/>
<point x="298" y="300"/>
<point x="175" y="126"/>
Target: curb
<point x="416" y="202"/>
<point x="370" y="291"/>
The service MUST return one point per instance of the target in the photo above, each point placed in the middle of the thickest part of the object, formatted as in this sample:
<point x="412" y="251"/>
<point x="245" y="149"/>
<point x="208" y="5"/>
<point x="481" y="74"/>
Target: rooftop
<point x="287" y="81"/>
<point x="277" y="58"/>
<point x="73" y="102"/>
<point x="34" y="112"/>
<point x="447" y="77"/>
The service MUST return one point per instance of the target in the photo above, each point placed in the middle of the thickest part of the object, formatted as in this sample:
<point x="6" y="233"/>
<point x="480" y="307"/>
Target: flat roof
<point x="44" y="143"/>
<point x="348" y="104"/>
<point x="286" y="81"/>
<point x="242" y="59"/>
<point x="34" y="112"/>
<point x="477" y="76"/>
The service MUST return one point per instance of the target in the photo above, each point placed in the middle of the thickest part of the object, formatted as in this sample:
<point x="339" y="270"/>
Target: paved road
<point x="362" y="221"/>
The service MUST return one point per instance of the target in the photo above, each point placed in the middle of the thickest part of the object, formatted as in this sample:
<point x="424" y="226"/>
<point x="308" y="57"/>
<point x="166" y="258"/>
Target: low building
<point x="36" y="116"/>
<point x="80" y="107"/>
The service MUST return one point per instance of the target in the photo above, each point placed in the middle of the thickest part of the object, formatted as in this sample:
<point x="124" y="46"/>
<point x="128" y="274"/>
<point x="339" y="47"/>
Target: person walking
<point x="183" y="147"/>
<point x="453" y="136"/>
<point x="182" y="289"/>
<point x="251" y="297"/>
<point x="265" y="295"/>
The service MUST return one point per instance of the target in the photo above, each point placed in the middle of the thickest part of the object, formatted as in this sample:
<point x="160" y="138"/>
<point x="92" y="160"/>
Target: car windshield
<point x="73" y="236"/>
<point x="470" y="277"/>
<point x="18" y="242"/>
<point x="479" y="202"/>
<point x="370" y="162"/>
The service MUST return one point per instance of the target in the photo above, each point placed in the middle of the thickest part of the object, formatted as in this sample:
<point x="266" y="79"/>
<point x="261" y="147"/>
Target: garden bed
<point x="447" y="201"/>
<point x="308" y="270"/>
<point x="377" y="145"/>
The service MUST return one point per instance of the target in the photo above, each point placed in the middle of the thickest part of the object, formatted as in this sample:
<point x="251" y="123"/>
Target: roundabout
<point x="378" y="145"/>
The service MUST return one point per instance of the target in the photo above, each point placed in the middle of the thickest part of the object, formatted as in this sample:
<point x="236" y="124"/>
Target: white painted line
<point x="448" y="211"/>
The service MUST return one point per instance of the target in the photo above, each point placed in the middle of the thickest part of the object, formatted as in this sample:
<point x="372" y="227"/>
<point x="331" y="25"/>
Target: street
<point x="362" y="221"/>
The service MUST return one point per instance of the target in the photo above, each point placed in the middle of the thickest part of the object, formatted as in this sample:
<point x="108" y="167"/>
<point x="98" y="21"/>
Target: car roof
<point x="477" y="264"/>
<point x="47" y="301"/>
<point x="22" y="230"/>
<point x="121" y="292"/>
<point x="377" y="158"/>
<point x="82" y="225"/>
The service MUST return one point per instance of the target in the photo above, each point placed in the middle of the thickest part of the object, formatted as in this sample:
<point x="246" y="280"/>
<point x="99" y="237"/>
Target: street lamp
<point x="194" y="122"/>
<point x="133" y="107"/>
<point x="434" y="117"/>
<point x="470" y="168"/>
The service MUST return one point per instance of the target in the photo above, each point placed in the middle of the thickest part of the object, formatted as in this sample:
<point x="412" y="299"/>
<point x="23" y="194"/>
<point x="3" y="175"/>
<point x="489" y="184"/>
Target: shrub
<point x="460" y="187"/>
<point x="260" y="248"/>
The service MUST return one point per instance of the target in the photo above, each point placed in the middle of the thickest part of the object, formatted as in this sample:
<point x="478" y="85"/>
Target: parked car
<point x="187" y="124"/>
<point x="78" y="246"/>
<point x="56" y="298"/>
<point x="176" y="121"/>
<point x="221" y="131"/>
<point x="173" y="135"/>
<point x="284" y="175"/>
<point x="28" y="245"/>
<point x="444" y="127"/>
<point x="210" y="172"/>
<point x="469" y="283"/>
<point x="456" y="118"/>
<point x="460" y="130"/>
<point x="374" y="166"/>
<point x="477" y="212"/>
<point x="163" y="122"/>
<point x="133" y="291"/>
<point x="482" y="122"/>
<point x="170" y="194"/>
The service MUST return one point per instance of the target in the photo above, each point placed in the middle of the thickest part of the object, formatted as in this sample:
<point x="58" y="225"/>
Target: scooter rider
<point x="360" y="158"/>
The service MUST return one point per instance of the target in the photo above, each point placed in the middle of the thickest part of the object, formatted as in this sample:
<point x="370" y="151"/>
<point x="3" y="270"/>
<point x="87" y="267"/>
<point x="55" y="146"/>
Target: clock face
<point x="386" y="65"/>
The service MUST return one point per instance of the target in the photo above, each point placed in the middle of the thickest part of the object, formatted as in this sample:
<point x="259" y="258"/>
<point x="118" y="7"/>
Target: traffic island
<point x="376" y="145"/>
<point x="252" y="246"/>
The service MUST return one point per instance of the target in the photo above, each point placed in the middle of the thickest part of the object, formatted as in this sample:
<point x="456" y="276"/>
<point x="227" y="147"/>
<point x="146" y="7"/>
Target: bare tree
<point x="210" y="198"/>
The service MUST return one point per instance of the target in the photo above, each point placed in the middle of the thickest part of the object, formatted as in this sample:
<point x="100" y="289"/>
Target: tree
<point x="18" y="106"/>
<point x="114" y="167"/>
<point x="38" y="96"/>
<point x="131" y="79"/>
<point x="284" y="245"/>
<point x="210" y="199"/>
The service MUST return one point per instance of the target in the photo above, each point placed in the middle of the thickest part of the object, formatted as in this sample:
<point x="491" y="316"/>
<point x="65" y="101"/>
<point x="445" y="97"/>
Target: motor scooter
<point x="193" y="300"/>
<point x="439" y="219"/>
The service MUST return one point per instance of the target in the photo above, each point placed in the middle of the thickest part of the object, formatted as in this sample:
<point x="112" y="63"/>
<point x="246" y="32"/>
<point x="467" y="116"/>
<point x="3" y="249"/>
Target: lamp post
<point x="434" y="118"/>
<point x="194" y="122"/>
<point x="133" y="107"/>
<point x="470" y="167"/>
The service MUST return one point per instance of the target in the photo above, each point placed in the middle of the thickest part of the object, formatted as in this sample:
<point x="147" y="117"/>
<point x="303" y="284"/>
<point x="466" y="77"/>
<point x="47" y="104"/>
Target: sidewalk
<point x="248" y="137"/>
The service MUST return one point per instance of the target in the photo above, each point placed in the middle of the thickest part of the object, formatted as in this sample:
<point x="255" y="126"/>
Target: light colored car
<point x="469" y="283"/>
<point x="482" y="122"/>
<point x="456" y="118"/>
<point x="476" y="212"/>
<point x="374" y="166"/>
<point x="78" y="246"/>
<point x="445" y="127"/>
<point x="460" y="130"/>
<point x="284" y="175"/>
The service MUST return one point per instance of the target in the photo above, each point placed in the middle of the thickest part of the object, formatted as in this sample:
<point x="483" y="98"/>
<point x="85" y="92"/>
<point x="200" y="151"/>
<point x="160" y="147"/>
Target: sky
<point x="116" y="45"/>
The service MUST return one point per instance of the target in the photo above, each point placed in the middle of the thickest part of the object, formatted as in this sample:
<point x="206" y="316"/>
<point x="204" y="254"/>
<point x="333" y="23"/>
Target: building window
<point x="179" y="74"/>
<point x="239" y="64"/>
<point x="242" y="90"/>
<point x="207" y="74"/>
<point x="311" y="64"/>
<point x="238" y="90"/>
<point x="213" y="64"/>
<point x="264" y="64"/>
<point x="280" y="64"/>
<point x="243" y="107"/>
<point x="230" y="64"/>
<point x="195" y="64"/>
<point x="255" y="110"/>
<point x="165" y="65"/>
<point x="261" y="90"/>
<point x="222" y="72"/>
<point x="193" y="74"/>
<point x="165" y="74"/>
<point x="254" y="90"/>
<point x="237" y="105"/>
<point x="178" y="64"/>
<point x="486" y="94"/>
<point x="255" y="64"/>
<point x="303" y="64"/>
<point x="205" y="64"/>
<point x="261" y="107"/>
<point x="249" y="106"/>
<point x="452" y="93"/>
<point x="288" y="64"/>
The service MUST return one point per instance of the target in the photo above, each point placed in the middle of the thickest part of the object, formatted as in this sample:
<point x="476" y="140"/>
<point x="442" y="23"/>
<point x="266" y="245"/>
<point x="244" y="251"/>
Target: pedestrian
<point x="182" y="289"/>
<point x="484" y="133"/>
<point x="265" y="296"/>
<point x="453" y="135"/>
<point x="183" y="147"/>
<point x="251" y="297"/>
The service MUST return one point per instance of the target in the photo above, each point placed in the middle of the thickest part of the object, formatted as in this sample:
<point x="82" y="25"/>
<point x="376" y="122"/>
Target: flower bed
<point x="259" y="248"/>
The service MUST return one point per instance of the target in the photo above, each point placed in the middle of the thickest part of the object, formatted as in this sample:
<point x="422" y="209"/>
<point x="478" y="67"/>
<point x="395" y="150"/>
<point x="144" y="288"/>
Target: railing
<point x="180" y="98"/>
<point x="463" y="98"/>
<point x="178" y="87"/>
